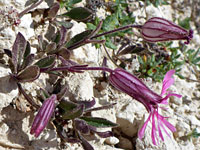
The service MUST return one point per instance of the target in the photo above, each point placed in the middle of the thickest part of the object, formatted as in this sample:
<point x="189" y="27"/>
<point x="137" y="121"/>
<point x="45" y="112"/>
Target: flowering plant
<point x="134" y="87"/>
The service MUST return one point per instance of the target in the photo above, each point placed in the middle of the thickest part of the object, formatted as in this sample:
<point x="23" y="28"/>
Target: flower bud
<point x="43" y="116"/>
<point x="158" y="29"/>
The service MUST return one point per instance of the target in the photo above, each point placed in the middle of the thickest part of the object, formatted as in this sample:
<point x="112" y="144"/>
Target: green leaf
<point x="64" y="52"/>
<point x="72" y="2"/>
<point x="51" y="48"/>
<point x="46" y="62"/>
<point x="66" y="24"/>
<point x="109" y="44"/>
<point x="31" y="73"/>
<point x="78" y="38"/>
<point x="28" y="50"/>
<point x="196" y="61"/>
<point x="91" y="26"/>
<point x="98" y="122"/>
<point x="75" y="113"/>
<point x="185" y="23"/>
<point x="79" y="13"/>
<point x="110" y="23"/>
<point x="67" y="105"/>
<point x="53" y="10"/>
<point x="140" y="60"/>
<point x="44" y="94"/>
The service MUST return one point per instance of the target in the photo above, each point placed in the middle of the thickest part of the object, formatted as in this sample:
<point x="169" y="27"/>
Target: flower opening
<point x="134" y="87"/>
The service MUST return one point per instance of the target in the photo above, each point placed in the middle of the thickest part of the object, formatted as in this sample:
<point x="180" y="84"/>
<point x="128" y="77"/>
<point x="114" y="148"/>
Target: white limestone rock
<point x="84" y="54"/>
<point x="182" y="128"/>
<point x="112" y="140"/>
<point x="129" y="116"/>
<point x="80" y="86"/>
<point x="193" y="120"/>
<point x="26" y="26"/>
<point x="8" y="88"/>
<point x="163" y="12"/>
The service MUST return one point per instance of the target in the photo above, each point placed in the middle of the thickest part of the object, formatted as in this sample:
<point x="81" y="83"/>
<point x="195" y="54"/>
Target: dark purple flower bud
<point x="43" y="116"/>
<point x="159" y="29"/>
<point x="134" y="87"/>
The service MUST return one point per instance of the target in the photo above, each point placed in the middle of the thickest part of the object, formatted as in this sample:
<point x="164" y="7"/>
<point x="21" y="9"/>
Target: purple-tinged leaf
<point x="105" y="134"/>
<point x="46" y="62"/>
<point x="75" y="113"/>
<point x="29" y="74"/>
<point x="99" y="122"/>
<point x="101" y="107"/>
<point x="78" y="39"/>
<point x="65" y="53"/>
<point x="81" y="126"/>
<point x="51" y="33"/>
<point x="57" y="87"/>
<point x="66" y="24"/>
<point x="63" y="135"/>
<point x="27" y="61"/>
<point x="51" y="48"/>
<point x="55" y="73"/>
<point x="44" y="94"/>
<point x="87" y="104"/>
<point x="8" y="52"/>
<point x="130" y="49"/>
<point x="62" y="93"/>
<point x="86" y="145"/>
<point x="79" y="13"/>
<point x="18" y="50"/>
<point x="53" y="10"/>
<point x="67" y="105"/>
<point x="63" y="36"/>
<point x="67" y="62"/>
<point x="27" y="50"/>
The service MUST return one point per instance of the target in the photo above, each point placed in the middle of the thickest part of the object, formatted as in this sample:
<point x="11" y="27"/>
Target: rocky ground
<point x="184" y="113"/>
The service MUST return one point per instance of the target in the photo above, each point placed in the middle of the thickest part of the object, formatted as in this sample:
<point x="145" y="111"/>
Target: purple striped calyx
<point x="43" y="116"/>
<point x="159" y="29"/>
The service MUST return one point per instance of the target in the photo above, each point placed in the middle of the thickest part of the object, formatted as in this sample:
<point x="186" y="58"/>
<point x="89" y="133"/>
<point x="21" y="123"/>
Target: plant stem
<point x="27" y="97"/>
<point x="110" y="56"/>
<point x="118" y="29"/>
<point x="29" y="8"/>
<point x="81" y="68"/>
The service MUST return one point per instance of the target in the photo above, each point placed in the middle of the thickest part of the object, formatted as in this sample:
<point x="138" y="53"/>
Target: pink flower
<point x="159" y="29"/>
<point x="43" y="116"/>
<point x="134" y="87"/>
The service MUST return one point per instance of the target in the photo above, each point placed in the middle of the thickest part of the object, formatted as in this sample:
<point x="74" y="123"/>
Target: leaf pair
<point x="71" y="110"/>
<point x="21" y="60"/>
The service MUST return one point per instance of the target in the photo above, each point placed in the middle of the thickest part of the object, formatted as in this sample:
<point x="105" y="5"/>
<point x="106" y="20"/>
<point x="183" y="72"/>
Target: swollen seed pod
<point x="159" y="29"/>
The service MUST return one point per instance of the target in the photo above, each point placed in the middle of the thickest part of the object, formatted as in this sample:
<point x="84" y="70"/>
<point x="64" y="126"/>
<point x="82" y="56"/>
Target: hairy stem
<point x="27" y="97"/>
<point x="81" y="68"/>
<point x="118" y="29"/>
